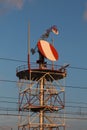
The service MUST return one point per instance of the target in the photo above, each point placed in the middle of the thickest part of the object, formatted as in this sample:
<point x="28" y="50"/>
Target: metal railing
<point x="34" y="65"/>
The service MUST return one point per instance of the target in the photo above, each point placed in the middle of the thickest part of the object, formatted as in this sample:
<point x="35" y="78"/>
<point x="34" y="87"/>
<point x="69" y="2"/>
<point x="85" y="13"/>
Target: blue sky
<point x="70" y="16"/>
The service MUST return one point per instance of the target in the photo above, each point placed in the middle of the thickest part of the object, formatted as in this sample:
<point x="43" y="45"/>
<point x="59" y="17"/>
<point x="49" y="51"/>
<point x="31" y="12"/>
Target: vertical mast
<point x="29" y="47"/>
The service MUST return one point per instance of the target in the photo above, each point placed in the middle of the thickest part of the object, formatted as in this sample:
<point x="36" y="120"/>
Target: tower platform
<point x="35" y="108"/>
<point x="35" y="73"/>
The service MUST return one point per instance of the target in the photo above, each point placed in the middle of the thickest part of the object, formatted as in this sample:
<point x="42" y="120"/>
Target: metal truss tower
<point x="41" y="99"/>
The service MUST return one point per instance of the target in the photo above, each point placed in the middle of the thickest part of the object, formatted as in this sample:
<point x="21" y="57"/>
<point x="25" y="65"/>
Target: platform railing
<point x="34" y="65"/>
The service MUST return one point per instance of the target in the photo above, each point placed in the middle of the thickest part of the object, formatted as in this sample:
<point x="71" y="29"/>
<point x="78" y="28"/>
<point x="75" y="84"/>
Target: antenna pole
<point x="52" y="61"/>
<point x="29" y="69"/>
<point x="29" y="47"/>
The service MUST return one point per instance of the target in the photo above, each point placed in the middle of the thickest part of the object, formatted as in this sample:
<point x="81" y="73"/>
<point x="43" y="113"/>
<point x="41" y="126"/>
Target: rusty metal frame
<point x="51" y="107"/>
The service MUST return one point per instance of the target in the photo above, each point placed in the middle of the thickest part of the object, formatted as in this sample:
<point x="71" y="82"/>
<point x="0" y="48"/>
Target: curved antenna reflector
<point x="55" y="30"/>
<point x="47" y="50"/>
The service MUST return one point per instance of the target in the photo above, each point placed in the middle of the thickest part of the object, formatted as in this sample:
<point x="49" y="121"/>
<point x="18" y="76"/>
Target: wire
<point x="66" y="117"/>
<point x="9" y="97"/>
<point x="8" y="102"/>
<point x="80" y="68"/>
<point x="16" y="103"/>
<point x="17" y="60"/>
<point x="5" y="80"/>
<point x="72" y="102"/>
<point x="67" y="86"/>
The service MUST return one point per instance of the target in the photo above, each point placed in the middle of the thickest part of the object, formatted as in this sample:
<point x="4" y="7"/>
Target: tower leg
<point x="41" y="103"/>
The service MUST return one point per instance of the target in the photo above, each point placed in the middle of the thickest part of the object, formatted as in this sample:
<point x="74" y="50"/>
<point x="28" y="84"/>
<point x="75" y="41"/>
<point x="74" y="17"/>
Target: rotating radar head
<point x="46" y="49"/>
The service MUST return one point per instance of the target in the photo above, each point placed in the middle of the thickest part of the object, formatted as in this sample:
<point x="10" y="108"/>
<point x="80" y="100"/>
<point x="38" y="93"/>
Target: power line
<point x="15" y="98"/>
<point x="8" y="102"/>
<point x="79" y="87"/>
<point x="13" y="60"/>
<point x="80" y="68"/>
<point x="66" y="117"/>
<point x="67" y="86"/>
<point x="8" y="97"/>
<point x="23" y="61"/>
<point x="83" y="103"/>
<point x="10" y="81"/>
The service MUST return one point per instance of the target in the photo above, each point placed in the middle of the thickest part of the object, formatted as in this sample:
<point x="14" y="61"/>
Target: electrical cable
<point x="17" y="60"/>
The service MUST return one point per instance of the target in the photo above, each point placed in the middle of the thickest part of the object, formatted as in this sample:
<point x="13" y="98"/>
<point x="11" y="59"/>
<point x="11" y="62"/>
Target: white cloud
<point x="12" y="3"/>
<point x="85" y="15"/>
<point x="16" y="3"/>
<point x="6" y="5"/>
<point x="85" y="12"/>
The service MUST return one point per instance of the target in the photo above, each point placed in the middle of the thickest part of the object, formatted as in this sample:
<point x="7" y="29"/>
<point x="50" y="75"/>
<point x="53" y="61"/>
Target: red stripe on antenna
<point x="41" y="49"/>
<point x="54" y="52"/>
